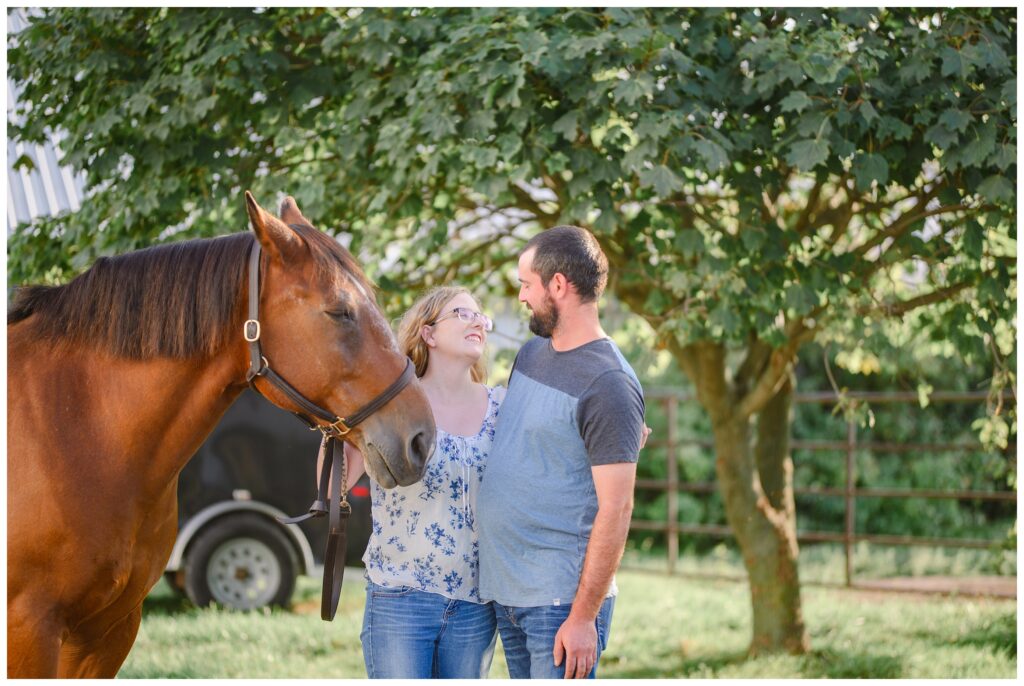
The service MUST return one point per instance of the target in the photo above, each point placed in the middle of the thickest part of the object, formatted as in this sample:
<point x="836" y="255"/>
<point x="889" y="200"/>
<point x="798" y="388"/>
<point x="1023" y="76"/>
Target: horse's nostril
<point x="420" y="449"/>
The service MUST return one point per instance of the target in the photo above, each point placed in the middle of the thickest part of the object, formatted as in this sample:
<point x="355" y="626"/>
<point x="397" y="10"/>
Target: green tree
<point x="758" y="178"/>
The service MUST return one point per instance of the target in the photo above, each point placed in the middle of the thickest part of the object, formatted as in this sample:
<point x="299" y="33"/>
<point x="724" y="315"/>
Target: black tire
<point x="242" y="562"/>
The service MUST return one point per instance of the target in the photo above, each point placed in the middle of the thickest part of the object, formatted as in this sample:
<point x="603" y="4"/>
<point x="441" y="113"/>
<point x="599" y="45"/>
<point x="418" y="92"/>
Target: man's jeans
<point x="412" y="634"/>
<point x="528" y="637"/>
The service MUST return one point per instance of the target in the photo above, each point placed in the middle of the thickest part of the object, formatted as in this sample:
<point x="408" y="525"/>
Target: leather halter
<point x="331" y="498"/>
<point x="259" y="367"/>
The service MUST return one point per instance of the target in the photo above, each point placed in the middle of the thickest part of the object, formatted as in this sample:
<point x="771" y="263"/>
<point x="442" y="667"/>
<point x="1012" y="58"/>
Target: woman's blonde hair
<point x="425" y="311"/>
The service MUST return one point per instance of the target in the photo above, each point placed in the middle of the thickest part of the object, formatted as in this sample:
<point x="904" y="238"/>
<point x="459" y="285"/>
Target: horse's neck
<point x="174" y="405"/>
<point x="145" y="418"/>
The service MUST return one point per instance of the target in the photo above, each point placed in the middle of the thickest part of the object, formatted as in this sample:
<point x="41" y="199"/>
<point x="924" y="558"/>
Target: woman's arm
<point x="354" y="462"/>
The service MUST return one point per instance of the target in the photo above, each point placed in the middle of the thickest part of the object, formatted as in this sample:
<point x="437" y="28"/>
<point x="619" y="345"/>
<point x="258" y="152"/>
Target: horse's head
<point x="323" y="332"/>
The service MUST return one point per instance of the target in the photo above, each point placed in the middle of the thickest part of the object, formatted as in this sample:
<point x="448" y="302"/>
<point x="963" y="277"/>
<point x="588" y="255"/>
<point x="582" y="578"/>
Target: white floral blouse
<point x="424" y="535"/>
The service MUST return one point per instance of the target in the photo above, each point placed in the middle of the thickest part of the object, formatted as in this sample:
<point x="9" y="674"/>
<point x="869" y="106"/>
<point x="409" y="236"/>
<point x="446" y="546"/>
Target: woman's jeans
<point x="528" y="637"/>
<point x="412" y="634"/>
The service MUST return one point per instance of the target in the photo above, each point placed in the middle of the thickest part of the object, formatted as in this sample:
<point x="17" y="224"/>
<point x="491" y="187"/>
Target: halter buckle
<point x="336" y="430"/>
<point x="251" y="330"/>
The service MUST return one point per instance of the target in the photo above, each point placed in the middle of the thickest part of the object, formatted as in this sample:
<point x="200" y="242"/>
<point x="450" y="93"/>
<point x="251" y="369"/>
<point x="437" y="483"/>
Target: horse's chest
<point x="120" y="565"/>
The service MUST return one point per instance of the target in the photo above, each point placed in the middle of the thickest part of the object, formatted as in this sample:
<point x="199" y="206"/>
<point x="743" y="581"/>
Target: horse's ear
<point x="274" y="235"/>
<point x="290" y="213"/>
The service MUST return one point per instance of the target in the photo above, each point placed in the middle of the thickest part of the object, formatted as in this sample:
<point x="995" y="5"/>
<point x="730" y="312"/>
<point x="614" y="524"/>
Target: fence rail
<point x="670" y="400"/>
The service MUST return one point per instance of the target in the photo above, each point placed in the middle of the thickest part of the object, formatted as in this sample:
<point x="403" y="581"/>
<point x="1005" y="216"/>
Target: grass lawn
<point x="663" y="627"/>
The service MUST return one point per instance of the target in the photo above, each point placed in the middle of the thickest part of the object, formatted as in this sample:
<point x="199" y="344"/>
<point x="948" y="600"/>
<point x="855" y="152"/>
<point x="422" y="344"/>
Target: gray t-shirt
<point x="565" y="413"/>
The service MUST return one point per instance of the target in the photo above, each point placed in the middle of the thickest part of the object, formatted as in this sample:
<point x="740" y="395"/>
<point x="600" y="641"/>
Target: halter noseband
<point x="331" y="498"/>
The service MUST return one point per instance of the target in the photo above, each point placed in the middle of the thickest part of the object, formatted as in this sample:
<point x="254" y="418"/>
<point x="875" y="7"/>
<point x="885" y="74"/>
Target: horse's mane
<point x="179" y="300"/>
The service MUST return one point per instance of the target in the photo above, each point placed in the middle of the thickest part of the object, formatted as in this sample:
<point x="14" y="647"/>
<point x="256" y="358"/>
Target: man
<point x="557" y="494"/>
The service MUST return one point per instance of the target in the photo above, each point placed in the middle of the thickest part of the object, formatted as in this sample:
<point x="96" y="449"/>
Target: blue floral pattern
<point x="424" y="535"/>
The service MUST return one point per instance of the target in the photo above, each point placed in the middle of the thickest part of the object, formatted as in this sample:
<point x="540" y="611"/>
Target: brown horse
<point x="115" y="379"/>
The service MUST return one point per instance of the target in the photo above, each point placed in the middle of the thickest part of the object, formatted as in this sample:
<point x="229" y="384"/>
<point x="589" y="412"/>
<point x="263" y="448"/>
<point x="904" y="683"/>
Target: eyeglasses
<point x="468" y="316"/>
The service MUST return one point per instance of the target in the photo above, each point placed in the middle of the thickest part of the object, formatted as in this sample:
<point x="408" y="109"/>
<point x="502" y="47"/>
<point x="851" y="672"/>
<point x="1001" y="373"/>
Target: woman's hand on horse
<point x="354" y="463"/>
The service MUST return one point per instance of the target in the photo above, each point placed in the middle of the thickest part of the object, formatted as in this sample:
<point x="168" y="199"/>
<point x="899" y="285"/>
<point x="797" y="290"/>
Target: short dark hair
<point x="575" y="253"/>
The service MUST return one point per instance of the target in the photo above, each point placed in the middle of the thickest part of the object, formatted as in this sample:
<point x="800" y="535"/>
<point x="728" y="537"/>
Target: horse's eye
<point x="341" y="314"/>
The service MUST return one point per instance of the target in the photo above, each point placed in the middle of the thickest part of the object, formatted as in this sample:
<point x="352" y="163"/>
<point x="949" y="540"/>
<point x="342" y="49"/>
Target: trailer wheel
<point x="242" y="562"/>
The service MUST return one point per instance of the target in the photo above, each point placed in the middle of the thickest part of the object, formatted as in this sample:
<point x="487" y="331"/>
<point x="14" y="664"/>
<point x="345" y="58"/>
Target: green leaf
<point x="140" y="102"/>
<point x="807" y="154"/>
<point x="657" y="302"/>
<point x="509" y="144"/>
<point x="606" y="222"/>
<point x="662" y="179"/>
<point x="652" y="126"/>
<point x="690" y="242"/>
<point x="800" y="298"/>
<point x="479" y="124"/>
<point x="814" y="123"/>
<point x="438" y="125"/>
<point x="940" y="136"/>
<point x="566" y="125"/>
<point x="843" y="148"/>
<point x="974" y="239"/>
<point x="481" y="157"/>
<point x="796" y="101"/>
<point x="870" y="167"/>
<point x="997" y="188"/>
<point x="1004" y="156"/>
<point x="724" y="316"/>
<point x="991" y="55"/>
<point x="632" y="89"/>
<point x="914" y="71"/>
<point x="634" y="159"/>
<point x="24" y="162"/>
<point x="955" y="120"/>
<point x="533" y="45"/>
<point x="714" y="154"/>
<point x="868" y="111"/>
<point x="954" y="63"/>
<point x="1009" y="92"/>
<point x="753" y="239"/>
<point x="203" y="106"/>
<point x="822" y="68"/>
<point x="491" y="186"/>
<point x="980" y="147"/>
<point x="894" y="128"/>
<point x="557" y="162"/>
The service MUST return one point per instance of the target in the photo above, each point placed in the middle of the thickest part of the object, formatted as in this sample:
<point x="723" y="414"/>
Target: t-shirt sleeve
<point x="611" y="418"/>
<point x="513" y="369"/>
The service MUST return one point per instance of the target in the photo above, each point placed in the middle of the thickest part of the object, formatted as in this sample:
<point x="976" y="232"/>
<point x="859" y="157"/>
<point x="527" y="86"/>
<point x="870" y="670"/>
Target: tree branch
<point x="753" y="365"/>
<point x="780" y="363"/>
<point x="704" y="363"/>
<point x="810" y="207"/>
<point x="910" y="217"/>
<point x="901" y="307"/>
<point x="525" y="201"/>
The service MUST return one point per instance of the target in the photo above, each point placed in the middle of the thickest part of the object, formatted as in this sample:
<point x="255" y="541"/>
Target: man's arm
<point x="577" y="638"/>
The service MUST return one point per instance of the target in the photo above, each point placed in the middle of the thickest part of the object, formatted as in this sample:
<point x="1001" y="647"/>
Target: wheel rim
<point x="243" y="573"/>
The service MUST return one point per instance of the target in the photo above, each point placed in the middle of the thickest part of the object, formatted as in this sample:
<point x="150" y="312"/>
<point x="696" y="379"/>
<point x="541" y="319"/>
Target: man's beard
<point x="544" y="323"/>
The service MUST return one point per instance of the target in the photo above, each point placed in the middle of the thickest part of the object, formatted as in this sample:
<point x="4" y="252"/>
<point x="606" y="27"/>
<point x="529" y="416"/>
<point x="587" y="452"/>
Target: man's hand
<point x="643" y="436"/>
<point x="576" y="641"/>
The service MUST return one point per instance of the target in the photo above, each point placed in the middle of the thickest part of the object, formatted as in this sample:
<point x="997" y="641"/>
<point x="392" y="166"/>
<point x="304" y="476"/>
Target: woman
<point x="423" y="616"/>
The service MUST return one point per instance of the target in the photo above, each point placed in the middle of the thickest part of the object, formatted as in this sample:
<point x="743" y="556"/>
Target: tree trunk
<point x="756" y="483"/>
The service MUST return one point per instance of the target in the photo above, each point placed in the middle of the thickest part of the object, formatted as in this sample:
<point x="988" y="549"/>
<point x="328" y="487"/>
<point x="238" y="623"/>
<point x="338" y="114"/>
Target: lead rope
<point x="332" y="500"/>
